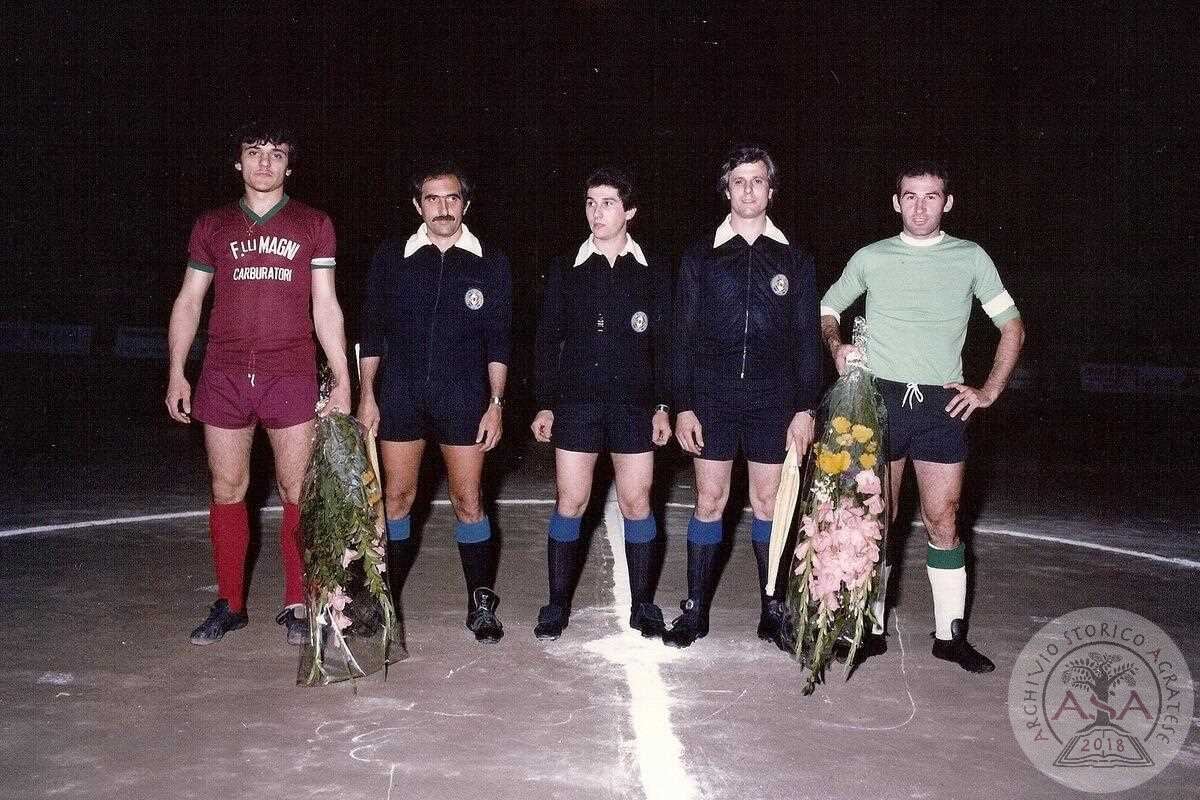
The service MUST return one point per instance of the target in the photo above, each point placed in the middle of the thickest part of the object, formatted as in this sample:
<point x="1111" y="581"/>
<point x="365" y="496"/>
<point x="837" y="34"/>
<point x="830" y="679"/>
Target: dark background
<point x="1068" y="129"/>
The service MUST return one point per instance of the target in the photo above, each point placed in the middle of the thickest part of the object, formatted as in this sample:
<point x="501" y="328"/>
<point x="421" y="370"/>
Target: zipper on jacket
<point x="746" y="328"/>
<point x="437" y="299"/>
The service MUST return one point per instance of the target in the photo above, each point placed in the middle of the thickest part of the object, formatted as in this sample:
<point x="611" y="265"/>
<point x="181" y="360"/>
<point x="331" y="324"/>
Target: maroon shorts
<point x="234" y="400"/>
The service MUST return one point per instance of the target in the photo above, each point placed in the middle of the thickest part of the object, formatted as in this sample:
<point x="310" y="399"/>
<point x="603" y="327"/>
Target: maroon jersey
<point x="263" y="284"/>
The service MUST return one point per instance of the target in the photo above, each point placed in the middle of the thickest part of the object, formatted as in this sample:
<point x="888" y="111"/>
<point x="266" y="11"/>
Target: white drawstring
<point x="911" y="391"/>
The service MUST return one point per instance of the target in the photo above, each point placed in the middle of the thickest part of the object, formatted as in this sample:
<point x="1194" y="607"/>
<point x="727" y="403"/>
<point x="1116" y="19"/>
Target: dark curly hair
<point x="265" y="132"/>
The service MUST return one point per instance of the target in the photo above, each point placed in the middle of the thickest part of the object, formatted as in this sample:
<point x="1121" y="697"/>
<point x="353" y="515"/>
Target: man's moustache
<point x="443" y="219"/>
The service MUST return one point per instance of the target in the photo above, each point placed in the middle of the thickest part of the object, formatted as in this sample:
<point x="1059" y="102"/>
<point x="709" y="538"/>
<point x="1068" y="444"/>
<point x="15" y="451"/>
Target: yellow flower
<point x="867" y="460"/>
<point x="845" y="439"/>
<point x="861" y="433"/>
<point x="840" y="424"/>
<point x="872" y="447"/>
<point x="832" y="463"/>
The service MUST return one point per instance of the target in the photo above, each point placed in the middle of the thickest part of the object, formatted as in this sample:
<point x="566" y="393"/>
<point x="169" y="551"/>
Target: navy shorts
<point x="603" y="427"/>
<point x="918" y="426"/>
<point x="754" y="418"/>
<point x="447" y="413"/>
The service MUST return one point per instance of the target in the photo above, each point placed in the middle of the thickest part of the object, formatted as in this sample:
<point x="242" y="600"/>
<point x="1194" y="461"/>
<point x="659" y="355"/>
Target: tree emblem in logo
<point x="1103" y="742"/>
<point x="1101" y="700"/>
<point x="639" y="322"/>
<point x="779" y="284"/>
<point x="473" y="299"/>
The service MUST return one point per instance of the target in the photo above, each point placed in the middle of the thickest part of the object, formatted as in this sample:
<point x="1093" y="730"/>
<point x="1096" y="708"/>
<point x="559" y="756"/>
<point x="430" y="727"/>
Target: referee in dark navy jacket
<point x="436" y="324"/>
<point x="747" y="374"/>
<point x="603" y="373"/>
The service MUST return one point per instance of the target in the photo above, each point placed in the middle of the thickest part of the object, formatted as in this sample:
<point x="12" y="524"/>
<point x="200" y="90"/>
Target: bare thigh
<point x="712" y="488"/>
<point x="401" y="465"/>
<point x="634" y="473"/>
<point x="940" y="486"/>
<point x="764" y="486"/>
<point x="291" y="446"/>
<point x="464" y="471"/>
<point x="228" y="453"/>
<point x="896" y="480"/>
<point x="573" y="477"/>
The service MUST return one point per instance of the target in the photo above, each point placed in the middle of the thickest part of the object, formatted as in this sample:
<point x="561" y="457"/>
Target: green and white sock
<point x="948" y="576"/>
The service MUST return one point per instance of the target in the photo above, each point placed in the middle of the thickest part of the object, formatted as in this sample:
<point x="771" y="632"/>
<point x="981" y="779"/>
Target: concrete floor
<point x="104" y="697"/>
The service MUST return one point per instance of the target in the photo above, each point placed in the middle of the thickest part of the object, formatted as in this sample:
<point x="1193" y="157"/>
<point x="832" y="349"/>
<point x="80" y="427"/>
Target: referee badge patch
<point x="473" y="299"/>
<point x="639" y="322"/>
<point x="779" y="284"/>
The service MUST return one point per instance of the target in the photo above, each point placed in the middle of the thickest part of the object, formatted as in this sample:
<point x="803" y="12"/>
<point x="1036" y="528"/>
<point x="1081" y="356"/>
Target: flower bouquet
<point x="843" y="523"/>
<point x="353" y="628"/>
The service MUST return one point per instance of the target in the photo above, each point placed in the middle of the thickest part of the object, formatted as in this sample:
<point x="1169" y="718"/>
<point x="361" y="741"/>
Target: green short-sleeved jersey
<point x="918" y="304"/>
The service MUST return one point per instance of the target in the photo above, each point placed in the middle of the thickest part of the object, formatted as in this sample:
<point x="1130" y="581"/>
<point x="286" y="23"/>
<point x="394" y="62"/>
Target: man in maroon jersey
<point x="265" y="256"/>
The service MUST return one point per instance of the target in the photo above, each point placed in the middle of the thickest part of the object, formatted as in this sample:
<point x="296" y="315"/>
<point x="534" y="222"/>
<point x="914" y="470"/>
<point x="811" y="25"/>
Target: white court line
<point x="1175" y="561"/>
<point x="658" y="750"/>
<point x="100" y="523"/>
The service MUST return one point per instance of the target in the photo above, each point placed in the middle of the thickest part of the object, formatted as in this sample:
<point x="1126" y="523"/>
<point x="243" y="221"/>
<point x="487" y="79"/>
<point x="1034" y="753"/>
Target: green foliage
<point x="349" y="606"/>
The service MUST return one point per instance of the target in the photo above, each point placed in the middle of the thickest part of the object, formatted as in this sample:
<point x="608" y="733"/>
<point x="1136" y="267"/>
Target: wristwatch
<point x="663" y="407"/>
<point x="497" y="400"/>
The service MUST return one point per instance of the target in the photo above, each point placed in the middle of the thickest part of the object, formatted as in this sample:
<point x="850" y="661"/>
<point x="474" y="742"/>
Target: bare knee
<point x="467" y="504"/>
<point x="635" y="504"/>
<point x="572" y="503"/>
<point x="398" y="500"/>
<point x="710" y="502"/>
<point x="289" y="493"/>
<point x="229" y="488"/>
<point x="763" y="502"/>
<point x="941" y="524"/>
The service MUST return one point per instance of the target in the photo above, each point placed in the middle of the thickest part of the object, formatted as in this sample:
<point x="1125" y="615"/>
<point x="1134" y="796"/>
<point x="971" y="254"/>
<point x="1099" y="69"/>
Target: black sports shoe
<point x="297" y="628"/>
<point x="648" y="619"/>
<point x="768" y="621"/>
<point x="872" y="644"/>
<point x="481" y="618"/>
<point x="688" y="627"/>
<point x="960" y="651"/>
<point x="551" y="621"/>
<point x="220" y="622"/>
<point x="773" y="625"/>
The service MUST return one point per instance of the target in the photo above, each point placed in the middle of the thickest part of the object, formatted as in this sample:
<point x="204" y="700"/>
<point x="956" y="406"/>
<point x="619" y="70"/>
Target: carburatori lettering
<point x="262" y="274"/>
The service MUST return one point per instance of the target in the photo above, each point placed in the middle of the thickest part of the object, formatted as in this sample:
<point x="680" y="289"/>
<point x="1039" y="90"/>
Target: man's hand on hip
<point x="967" y="400"/>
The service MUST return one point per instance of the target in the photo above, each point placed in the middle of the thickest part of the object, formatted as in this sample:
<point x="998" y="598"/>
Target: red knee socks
<point x="229" y="529"/>
<point x="293" y="559"/>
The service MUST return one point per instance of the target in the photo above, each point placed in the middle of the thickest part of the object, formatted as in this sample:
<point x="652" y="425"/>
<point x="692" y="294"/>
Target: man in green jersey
<point x="919" y="287"/>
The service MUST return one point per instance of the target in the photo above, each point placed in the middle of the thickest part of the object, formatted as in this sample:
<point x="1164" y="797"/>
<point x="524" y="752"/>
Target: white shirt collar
<point x="725" y="232"/>
<point x="913" y="242"/>
<point x="466" y="240"/>
<point x="589" y="249"/>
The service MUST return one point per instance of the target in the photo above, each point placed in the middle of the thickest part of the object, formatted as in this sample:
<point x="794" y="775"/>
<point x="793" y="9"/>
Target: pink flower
<point x="874" y="505"/>
<point x="868" y="482"/>
<point x="347" y="556"/>
<point x="809" y="526"/>
<point x="339" y="619"/>
<point x="338" y="599"/>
